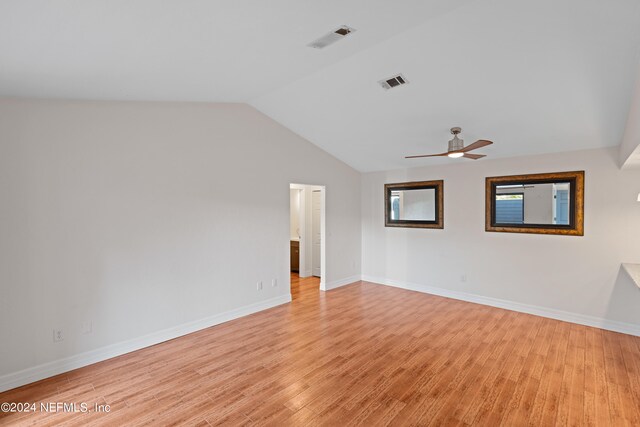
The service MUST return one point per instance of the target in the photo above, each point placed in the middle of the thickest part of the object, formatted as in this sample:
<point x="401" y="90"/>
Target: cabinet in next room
<point x="295" y="256"/>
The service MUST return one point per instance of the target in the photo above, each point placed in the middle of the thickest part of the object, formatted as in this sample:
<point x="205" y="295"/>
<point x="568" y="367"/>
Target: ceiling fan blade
<point x="478" y="144"/>
<point x="474" y="156"/>
<point x="426" y="155"/>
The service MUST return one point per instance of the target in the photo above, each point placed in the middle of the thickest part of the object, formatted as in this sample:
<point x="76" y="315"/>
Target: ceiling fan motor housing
<point x="456" y="144"/>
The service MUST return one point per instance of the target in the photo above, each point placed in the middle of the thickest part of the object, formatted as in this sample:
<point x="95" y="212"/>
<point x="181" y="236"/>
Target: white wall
<point x="630" y="147"/>
<point x="580" y="275"/>
<point x="538" y="204"/>
<point x="141" y="217"/>
<point x="418" y="205"/>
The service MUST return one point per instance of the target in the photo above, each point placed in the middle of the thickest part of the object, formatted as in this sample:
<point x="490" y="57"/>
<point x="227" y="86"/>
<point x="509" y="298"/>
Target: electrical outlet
<point x="274" y="283"/>
<point x="58" y="335"/>
<point x="259" y="285"/>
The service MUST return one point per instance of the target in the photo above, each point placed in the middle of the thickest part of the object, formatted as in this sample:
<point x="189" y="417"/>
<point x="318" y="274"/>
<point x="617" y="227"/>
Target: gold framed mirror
<point x="414" y="204"/>
<point x="546" y="203"/>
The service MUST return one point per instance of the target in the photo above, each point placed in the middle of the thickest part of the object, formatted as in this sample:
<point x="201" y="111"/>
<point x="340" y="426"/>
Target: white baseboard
<point x="337" y="283"/>
<point x="580" y="319"/>
<point x="60" y="366"/>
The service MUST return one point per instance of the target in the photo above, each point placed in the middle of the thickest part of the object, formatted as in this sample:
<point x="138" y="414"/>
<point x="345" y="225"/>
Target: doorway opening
<point x="307" y="236"/>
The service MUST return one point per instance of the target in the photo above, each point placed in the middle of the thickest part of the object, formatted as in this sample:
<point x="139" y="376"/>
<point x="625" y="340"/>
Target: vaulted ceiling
<point x="533" y="76"/>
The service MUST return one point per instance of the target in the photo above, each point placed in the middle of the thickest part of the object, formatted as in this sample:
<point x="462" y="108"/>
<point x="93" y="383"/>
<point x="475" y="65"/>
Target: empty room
<point x="274" y="213"/>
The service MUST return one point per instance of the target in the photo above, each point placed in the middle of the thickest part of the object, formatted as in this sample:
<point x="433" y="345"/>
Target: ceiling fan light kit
<point x="457" y="148"/>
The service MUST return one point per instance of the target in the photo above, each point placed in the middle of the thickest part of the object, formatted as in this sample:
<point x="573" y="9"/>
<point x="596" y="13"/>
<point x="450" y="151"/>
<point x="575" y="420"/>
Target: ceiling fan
<point x="457" y="148"/>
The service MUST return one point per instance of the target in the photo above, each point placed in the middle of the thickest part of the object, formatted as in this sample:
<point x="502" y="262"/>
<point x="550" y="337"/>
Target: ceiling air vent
<point x="331" y="37"/>
<point x="394" y="81"/>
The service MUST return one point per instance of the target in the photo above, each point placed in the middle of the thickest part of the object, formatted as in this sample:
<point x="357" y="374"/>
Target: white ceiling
<point x="184" y="50"/>
<point x="533" y="76"/>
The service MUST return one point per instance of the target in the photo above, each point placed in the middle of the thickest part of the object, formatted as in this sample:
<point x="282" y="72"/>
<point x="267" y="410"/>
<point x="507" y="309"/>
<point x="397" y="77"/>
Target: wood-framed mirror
<point x="414" y="204"/>
<point x="546" y="203"/>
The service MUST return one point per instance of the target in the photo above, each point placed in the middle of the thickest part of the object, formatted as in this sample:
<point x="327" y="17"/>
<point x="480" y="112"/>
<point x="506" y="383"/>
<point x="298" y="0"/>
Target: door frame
<point x="314" y="222"/>
<point x="306" y="230"/>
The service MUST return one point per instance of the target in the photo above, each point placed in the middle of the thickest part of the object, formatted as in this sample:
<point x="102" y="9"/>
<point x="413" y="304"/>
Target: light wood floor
<point x="362" y="354"/>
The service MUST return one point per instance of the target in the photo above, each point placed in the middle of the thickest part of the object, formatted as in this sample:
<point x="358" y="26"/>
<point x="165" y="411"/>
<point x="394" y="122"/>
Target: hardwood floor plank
<point x="362" y="354"/>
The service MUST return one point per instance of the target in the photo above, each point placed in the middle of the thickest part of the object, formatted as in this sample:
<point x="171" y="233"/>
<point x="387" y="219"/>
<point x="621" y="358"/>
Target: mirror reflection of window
<point x="544" y="204"/>
<point x="541" y="203"/>
<point x="395" y="206"/>
<point x="510" y="208"/>
<point x="413" y="205"/>
<point x="561" y="203"/>
<point x="417" y="204"/>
